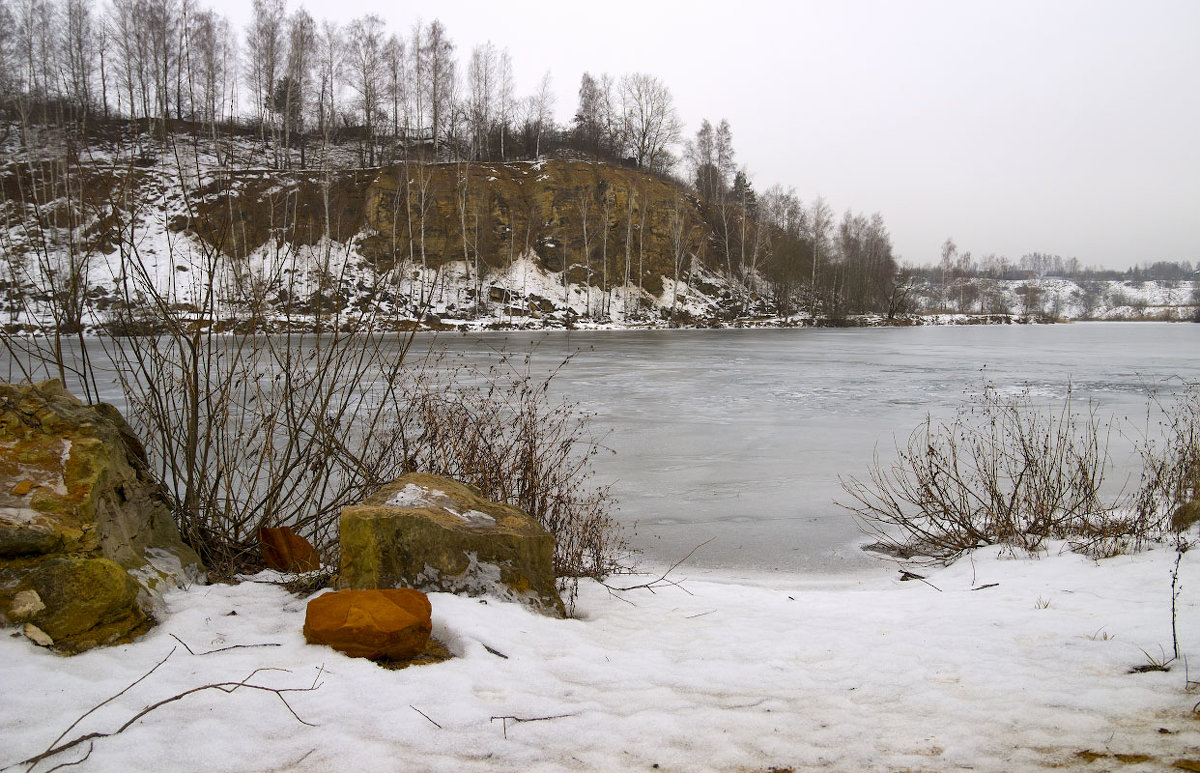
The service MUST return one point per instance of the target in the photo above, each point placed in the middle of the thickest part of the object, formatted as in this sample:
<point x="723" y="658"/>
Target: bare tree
<point x="330" y="65"/>
<point x="397" y="87"/>
<point x="79" y="51"/>
<point x="265" y="44"/>
<point x="597" y="123"/>
<point x="481" y="93"/>
<point x="9" y="80"/>
<point x="542" y="111"/>
<point x="365" y="49"/>
<point x="651" y="124"/>
<point x="438" y="78"/>
<point x="820" y="221"/>
<point x="160" y="19"/>
<point x="290" y="96"/>
<point x="211" y="53"/>
<point x="124" y="30"/>
<point x="505" y="100"/>
<point x="949" y="256"/>
<point x="682" y="224"/>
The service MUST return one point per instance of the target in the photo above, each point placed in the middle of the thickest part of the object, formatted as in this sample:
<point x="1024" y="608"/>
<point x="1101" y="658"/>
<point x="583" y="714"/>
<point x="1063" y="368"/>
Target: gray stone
<point x="25" y="605"/>
<point x="37" y="635"/>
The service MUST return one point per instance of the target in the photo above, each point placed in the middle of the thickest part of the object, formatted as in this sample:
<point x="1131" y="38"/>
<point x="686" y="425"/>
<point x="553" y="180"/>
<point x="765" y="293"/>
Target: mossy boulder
<point x="436" y="534"/>
<point x="83" y="524"/>
<point x="87" y="602"/>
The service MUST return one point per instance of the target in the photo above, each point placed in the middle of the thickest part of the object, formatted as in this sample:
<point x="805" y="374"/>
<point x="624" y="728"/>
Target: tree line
<point x="309" y="89"/>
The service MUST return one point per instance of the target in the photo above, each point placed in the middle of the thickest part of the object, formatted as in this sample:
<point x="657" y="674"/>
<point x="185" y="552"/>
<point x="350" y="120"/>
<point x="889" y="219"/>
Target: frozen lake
<point x="739" y="436"/>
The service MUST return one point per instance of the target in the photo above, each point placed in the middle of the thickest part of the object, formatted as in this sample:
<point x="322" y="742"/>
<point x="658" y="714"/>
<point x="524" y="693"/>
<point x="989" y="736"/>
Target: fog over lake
<point x="739" y="436"/>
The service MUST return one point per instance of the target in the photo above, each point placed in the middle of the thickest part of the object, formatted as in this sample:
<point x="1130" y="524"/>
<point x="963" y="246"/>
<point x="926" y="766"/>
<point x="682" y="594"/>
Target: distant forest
<point x="317" y="94"/>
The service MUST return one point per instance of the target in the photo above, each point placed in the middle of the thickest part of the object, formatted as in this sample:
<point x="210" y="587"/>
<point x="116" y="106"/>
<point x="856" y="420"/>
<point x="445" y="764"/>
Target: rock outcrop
<point x="436" y="534"/>
<point x="378" y="624"/>
<point x="538" y="206"/>
<point x="86" y="536"/>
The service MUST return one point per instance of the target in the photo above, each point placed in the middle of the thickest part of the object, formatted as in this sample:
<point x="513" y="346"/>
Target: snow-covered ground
<point x="992" y="664"/>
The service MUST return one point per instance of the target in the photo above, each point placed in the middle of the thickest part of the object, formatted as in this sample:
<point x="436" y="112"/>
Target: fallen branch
<point x="223" y="649"/>
<point x="226" y="687"/>
<point x="518" y="720"/>
<point x="98" y="706"/>
<point x="662" y="579"/>
<point x="80" y="761"/>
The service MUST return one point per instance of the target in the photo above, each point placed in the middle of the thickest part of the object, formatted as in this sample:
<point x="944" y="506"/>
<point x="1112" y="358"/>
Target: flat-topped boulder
<point x="437" y="534"/>
<point x="87" y="539"/>
<point x="391" y="624"/>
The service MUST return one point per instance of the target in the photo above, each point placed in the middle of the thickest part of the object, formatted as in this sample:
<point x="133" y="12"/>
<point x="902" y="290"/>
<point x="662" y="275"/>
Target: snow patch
<point x="419" y="497"/>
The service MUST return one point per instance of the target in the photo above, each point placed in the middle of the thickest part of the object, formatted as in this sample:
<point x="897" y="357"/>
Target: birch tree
<point x="438" y="77"/>
<point x="265" y="43"/>
<point x="365" y="55"/>
<point x="651" y="124"/>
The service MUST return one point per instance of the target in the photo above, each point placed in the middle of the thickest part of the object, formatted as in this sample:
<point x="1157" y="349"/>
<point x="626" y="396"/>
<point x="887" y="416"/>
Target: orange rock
<point x="377" y="624"/>
<point x="286" y="551"/>
<point x="22" y="488"/>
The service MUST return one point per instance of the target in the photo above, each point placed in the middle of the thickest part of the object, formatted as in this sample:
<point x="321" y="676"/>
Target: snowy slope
<point x="991" y="664"/>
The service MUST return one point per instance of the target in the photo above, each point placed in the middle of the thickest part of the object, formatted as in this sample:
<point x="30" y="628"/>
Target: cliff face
<point x="596" y="220"/>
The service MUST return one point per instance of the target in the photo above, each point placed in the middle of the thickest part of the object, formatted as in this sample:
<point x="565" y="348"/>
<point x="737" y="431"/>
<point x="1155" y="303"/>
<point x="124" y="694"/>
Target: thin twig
<point x="103" y="703"/>
<point x="223" y="649"/>
<point x="60" y="766"/>
<point x="506" y="719"/>
<point x="422" y="713"/>
<point x="497" y="653"/>
<point x="225" y="687"/>
<point x="650" y="585"/>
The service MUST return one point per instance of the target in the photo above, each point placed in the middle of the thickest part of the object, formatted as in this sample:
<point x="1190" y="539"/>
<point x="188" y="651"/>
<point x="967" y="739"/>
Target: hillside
<point x="127" y="233"/>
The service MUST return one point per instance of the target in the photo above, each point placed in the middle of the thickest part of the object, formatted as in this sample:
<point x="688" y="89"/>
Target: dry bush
<point x="1002" y="471"/>
<point x="501" y="431"/>
<point x="1170" y="458"/>
<point x="265" y="386"/>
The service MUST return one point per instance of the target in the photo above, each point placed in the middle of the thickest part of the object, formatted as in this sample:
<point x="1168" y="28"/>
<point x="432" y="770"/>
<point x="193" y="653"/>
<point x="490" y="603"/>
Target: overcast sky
<point x="1012" y="126"/>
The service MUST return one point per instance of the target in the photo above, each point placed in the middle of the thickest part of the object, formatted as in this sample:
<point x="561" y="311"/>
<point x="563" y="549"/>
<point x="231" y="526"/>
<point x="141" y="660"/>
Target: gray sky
<point x="1014" y="126"/>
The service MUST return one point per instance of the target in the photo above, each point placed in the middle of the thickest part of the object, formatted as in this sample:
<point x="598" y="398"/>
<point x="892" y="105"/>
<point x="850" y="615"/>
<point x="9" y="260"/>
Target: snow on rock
<point x="991" y="664"/>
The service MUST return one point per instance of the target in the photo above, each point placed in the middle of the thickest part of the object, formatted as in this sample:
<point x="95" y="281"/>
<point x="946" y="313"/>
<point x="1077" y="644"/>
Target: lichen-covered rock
<point x="436" y="534"/>
<point x="391" y="624"/>
<point x="88" y="602"/>
<point x="84" y="527"/>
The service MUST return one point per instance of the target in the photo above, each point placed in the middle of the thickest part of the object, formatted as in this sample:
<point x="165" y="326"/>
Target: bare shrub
<point x="1170" y="458"/>
<point x="1002" y="471"/>
<point x="500" y="431"/>
<point x="268" y="385"/>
